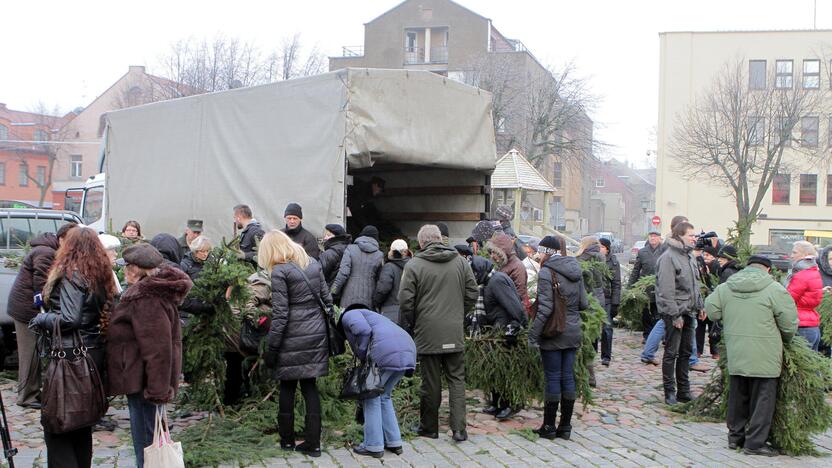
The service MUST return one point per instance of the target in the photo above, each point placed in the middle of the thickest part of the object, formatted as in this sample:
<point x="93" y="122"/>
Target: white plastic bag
<point x="163" y="452"/>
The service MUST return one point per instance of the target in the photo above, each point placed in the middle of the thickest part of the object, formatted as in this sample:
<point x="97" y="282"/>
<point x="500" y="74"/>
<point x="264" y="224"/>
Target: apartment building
<point x="799" y="200"/>
<point x="446" y="38"/>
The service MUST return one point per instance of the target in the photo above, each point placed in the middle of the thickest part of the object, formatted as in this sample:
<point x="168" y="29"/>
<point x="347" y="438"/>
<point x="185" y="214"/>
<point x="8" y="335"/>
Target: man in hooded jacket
<point x="437" y="289"/>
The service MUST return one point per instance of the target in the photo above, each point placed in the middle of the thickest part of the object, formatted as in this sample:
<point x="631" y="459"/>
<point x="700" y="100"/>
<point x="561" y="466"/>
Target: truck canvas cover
<point x="291" y="141"/>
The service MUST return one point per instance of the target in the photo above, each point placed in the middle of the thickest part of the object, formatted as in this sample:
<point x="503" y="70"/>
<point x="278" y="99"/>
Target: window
<point x="2" y="173"/>
<point x="40" y="175"/>
<point x="599" y="182"/>
<point x="783" y="239"/>
<point x="783" y="78"/>
<point x="40" y="135"/>
<point x="808" y="189"/>
<point x="829" y="189"/>
<point x="758" y="131"/>
<point x="4" y="132"/>
<point x="811" y="74"/>
<point x="75" y="166"/>
<point x="93" y="205"/>
<point x="557" y="175"/>
<point x="809" y="131"/>
<point x="410" y="41"/>
<point x="780" y="131"/>
<point x="23" y="179"/>
<point x="781" y="189"/>
<point x="756" y="74"/>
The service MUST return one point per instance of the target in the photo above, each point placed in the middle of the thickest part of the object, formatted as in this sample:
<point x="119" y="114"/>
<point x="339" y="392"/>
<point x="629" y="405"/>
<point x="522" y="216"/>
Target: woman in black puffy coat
<point x="386" y="296"/>
<point x="297" y="348"/>
<point x="558" y="353"/>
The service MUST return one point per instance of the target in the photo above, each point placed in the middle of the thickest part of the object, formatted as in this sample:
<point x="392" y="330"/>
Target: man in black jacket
<point x="293" y="215"/>
<point x="251" y="234"/>
<point x="645" y="265"/>
<point x="612" y="296"/>
<point x="336" y="241"/>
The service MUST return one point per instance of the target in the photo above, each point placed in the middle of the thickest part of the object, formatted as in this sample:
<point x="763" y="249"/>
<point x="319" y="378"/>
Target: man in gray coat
<point x="437" y="289"/>
<point x="679" y="301"/>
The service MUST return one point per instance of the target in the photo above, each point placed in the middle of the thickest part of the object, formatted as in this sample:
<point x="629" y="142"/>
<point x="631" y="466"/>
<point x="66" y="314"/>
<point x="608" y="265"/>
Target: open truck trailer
<point x="305" y="140"/>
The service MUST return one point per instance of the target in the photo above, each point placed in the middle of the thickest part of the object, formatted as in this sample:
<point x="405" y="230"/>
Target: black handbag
<point x="73" y="390"/>
<point x="335" y="339"/>
<point x="363" y="380"/>
<point x="252" y="334"/>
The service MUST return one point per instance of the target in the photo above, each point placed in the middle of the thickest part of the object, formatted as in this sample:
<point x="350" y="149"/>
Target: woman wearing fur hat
<point x="77" y="295"/>
<point x="385" y="298"/>
<point x="501" y="250"/>
<point x="144" y="340"/>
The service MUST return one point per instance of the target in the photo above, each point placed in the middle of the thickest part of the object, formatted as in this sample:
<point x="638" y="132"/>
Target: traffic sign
<point x="656" y="220"/>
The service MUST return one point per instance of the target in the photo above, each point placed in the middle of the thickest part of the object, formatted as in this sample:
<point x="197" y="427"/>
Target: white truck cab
<point x="88" y="202"/>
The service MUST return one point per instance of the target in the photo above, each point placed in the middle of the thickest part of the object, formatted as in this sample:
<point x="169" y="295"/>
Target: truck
<point x="311" y="141"/>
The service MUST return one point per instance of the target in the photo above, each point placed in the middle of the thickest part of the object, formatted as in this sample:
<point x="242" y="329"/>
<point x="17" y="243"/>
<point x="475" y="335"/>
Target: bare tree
<point x="740" y="138"/>
<point x="288" y="61"/>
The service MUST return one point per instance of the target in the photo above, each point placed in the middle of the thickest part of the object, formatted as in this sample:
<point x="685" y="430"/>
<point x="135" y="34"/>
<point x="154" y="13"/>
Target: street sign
<point x="656" y="220"/>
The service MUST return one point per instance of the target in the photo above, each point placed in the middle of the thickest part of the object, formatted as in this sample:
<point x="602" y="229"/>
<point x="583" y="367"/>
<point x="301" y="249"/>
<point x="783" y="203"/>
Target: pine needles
<point x="634" y="300"/>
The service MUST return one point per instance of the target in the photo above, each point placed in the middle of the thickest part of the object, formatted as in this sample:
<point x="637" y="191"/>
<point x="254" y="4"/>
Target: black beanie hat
<point x="443" y="229"/>
<point x="293" y="209"/>
<point x="711" y="250"/>
<point x="728" y="251"/>
<point x="550" y="242"/>
<point x="464" y="250"/>
<point x="606" y="243"/>
<point x="369" y="231"/>
<point x="335" y="229"/>
<point x="759" y="261"/>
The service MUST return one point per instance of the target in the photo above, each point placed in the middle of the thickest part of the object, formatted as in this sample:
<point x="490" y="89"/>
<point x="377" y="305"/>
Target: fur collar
<point x="169" y="283"/>
<point x="674" y="243"/>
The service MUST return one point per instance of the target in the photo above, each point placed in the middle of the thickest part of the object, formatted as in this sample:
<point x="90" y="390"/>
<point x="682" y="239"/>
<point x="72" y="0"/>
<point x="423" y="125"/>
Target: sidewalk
<point x="627" y="426"/>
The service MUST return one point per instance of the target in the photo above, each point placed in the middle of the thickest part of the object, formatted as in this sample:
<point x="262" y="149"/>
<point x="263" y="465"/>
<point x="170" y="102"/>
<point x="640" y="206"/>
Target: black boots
<point x="286" y="429"/>
<point x="312" y="444"/>
<point x="564" y="430"/>
<point x="550" y="411"/>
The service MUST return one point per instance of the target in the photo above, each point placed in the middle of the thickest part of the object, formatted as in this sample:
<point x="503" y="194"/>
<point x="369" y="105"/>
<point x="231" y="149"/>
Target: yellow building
<point x="798" y="203"/>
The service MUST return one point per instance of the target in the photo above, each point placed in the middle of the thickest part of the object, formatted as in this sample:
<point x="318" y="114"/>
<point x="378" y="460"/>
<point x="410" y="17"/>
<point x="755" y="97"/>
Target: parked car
<point x="779" y="259"/>
<point x="18" y="226"/>
<point x="634" y="251"/>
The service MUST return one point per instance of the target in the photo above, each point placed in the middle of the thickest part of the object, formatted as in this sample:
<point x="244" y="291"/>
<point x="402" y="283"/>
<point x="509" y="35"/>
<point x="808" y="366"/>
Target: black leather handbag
<point x="335" y="339"/>
<point x="363" y="380"/>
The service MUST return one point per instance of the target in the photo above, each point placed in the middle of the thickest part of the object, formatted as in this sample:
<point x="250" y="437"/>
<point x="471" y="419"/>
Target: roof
<point x="408" y="1"/>
<point x="514" y="171"/>
<point x="30" y="118"/>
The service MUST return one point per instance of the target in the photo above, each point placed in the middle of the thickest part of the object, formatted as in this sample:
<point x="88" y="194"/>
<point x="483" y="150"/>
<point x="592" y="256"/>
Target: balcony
<point x="352" y="51"/>
<point x="417" y="55"/>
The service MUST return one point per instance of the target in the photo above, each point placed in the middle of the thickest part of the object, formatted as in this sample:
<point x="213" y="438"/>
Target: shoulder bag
<point x="73" y="390"/>
<point x="556" y="322"/>
<point x="335" y="339"/>
<point x="363" y="380"/>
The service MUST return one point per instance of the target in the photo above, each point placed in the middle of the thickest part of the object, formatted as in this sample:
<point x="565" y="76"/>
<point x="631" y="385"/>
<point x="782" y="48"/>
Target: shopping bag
<point x="163" y="452"/>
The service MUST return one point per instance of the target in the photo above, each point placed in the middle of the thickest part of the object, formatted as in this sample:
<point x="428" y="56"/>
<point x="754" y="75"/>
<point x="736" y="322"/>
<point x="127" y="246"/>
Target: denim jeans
<point x="812" y="335"/>
<point x="381" y="428"/>
<point x="559" y="371"/>
<point x="142" y="423"/>
<point x="655" y="339"/>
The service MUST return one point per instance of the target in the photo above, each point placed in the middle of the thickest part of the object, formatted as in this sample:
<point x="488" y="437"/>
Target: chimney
<point x="136" y="69"/>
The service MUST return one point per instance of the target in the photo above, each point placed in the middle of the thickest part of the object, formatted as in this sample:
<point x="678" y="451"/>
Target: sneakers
<point x="394" y="450"/>
<point x="605" y="362"/>
<point x="699" y="367"/>
<point x="367" y="453"/>
<point x="653" y="361"/>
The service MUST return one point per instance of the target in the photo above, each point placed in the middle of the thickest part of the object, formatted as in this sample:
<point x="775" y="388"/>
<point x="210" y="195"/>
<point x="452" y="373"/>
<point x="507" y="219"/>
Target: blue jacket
<point x="393" y="349"/>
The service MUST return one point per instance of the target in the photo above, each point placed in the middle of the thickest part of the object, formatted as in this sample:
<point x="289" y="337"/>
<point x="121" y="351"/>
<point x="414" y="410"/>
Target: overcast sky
<point x="66" y="53"/>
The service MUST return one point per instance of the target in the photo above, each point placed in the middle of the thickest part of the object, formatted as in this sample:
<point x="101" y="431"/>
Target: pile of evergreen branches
<point x="634" y="300"/>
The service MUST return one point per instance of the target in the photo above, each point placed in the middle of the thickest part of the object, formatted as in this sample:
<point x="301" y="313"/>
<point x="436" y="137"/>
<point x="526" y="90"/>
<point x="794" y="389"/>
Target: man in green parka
<point x="758" y="316"/>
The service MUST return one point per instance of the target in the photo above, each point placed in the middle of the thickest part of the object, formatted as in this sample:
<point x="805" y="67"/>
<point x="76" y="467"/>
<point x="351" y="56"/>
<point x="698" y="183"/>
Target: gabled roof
<point x="514" y="171"/>
<point x="407" y="1"/>
<point x="31" y="118"/>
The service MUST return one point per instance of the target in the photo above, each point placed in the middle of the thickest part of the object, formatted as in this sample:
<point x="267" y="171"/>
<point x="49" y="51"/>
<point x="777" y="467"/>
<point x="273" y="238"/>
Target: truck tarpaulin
<point x="269" y="145"/>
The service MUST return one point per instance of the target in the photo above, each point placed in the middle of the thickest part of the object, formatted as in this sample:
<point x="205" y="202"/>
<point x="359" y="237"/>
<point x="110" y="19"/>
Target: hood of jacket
<point x="566" y="266"/>
<point x="437" y="252"/>
<point x="337" y="240"/>
<point x="400" y="262"/>
<point x="367" y="244"/>
<point x="481" y="267"/>
<point x="47" y="239"/>
<point x="676" y="244"/>
<point x="169" y="283"/>
<point x="505" y="243"/>
<point x="804" y="264"/>
<point x="823" y="261"/>
<point x="592" y="252"/>
<point x="168" y="246"/>
<point x="749" y="280"/>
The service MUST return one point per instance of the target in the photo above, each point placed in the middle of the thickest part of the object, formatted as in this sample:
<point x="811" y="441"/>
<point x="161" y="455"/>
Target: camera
<point x="704" y="239"/>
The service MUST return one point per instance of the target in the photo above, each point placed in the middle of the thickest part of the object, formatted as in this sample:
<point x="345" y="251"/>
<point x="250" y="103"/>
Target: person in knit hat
<point x="293" y="215"/>
<point x="336" y="241"/>
<point x="612" y="297"/>
<point x="386" y="296"/>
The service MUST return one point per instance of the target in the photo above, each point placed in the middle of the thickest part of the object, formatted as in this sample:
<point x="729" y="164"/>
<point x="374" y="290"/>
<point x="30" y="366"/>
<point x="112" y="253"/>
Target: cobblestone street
<point x="627" y="426"/>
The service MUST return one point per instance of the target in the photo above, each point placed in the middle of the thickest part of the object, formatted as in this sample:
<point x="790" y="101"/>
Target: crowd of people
<point x="401" y="306"/>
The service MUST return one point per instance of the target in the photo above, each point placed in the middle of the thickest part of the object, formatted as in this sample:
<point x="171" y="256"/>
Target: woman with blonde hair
<point x="297" y="348"/>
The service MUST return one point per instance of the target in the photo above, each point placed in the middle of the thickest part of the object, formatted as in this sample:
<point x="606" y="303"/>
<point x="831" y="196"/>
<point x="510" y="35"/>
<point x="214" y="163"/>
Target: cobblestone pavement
<point x="627" y="426"/>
